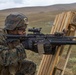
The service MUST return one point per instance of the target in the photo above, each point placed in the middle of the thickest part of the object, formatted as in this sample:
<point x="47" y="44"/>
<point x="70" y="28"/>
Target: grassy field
<point x="45" y="21"/>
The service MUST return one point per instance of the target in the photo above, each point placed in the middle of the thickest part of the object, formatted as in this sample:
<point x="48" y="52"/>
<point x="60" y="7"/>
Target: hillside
<point x="42" y="16"/>
<point x="52" y="8"/>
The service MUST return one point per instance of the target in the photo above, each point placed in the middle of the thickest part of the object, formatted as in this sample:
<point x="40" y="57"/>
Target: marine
<point x="13" y="54"/>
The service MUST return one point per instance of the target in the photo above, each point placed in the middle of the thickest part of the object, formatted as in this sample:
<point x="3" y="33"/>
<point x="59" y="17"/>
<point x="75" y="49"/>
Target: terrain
<point x="43" y="17"/>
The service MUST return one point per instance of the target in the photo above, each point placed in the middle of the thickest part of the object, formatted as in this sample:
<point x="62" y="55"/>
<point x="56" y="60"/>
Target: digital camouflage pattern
<point x="15" y="20"/>
<point x="12" y="59"/>
<point x="24" y="68"/>
<point x="11" y="53"/>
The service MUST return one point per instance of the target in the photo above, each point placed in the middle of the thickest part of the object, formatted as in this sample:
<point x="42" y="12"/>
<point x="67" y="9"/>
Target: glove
<point x="30" y="45"/>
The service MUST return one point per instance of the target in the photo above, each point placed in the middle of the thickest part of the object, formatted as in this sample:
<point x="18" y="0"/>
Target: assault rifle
<point x="42" y="42"/>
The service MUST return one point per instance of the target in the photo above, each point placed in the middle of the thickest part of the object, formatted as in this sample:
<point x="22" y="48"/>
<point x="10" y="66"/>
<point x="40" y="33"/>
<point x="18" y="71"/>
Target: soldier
<point x="12" y="54"/>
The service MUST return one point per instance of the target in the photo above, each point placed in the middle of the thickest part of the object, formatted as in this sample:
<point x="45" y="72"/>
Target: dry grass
<point x="44" y="20"/>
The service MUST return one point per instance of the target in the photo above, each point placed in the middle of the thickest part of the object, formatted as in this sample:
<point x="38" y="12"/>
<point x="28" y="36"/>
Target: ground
<point x="44" y="20"/>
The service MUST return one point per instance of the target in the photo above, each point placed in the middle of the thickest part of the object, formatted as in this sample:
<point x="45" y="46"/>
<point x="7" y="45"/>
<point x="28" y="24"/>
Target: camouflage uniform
<point x="12" y="55"/>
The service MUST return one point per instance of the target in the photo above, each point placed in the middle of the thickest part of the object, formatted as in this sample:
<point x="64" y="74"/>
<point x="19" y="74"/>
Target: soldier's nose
<point x="24" y="32"/>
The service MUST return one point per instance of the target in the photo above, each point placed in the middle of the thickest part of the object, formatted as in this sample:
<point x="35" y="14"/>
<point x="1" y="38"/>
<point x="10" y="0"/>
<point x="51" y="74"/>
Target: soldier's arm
<point x="39" y="48"/>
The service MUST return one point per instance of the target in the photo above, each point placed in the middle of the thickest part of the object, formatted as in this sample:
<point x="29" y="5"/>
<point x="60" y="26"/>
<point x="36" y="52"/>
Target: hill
<point x="51" y="8"/>
<point x="42" y="16"/>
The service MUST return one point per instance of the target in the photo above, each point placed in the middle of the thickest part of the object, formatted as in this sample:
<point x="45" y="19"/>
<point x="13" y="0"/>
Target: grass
<point x="45" y="21"/>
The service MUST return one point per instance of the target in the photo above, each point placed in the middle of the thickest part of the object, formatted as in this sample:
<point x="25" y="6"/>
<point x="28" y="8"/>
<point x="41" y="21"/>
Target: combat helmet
<point x="15" y="20"/>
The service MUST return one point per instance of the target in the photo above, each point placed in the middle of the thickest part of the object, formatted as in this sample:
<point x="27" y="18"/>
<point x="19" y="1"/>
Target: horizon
<point x="9" y="4"/>
<point x="35" y="6"/>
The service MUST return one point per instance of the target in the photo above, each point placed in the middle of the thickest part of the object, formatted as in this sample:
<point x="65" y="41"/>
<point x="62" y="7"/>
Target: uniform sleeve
<point x="41" y="49"/>
<point x="10" y="56"/>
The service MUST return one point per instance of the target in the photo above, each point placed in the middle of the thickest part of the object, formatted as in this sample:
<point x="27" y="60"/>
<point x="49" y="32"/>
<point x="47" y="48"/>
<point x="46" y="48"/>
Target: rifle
<point x="40" y="42"/>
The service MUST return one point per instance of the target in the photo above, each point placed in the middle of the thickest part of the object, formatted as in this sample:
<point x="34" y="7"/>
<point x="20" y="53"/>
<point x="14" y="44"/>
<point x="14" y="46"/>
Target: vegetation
<point x="45" y="21"/>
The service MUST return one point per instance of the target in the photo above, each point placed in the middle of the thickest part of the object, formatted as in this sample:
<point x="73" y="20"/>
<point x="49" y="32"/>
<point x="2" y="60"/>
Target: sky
<point x="6" y="4"/>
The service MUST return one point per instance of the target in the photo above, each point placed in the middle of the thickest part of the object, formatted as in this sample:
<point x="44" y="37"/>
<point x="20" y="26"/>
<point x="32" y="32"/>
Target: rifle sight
<point x="35" y="30"/>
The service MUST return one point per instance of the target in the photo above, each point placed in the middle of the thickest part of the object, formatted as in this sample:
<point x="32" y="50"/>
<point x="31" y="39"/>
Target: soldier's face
<point x="21" y="31"/>
<point x="18" y="31"/>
